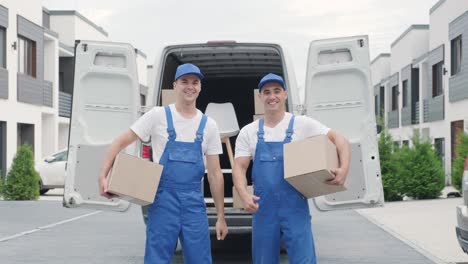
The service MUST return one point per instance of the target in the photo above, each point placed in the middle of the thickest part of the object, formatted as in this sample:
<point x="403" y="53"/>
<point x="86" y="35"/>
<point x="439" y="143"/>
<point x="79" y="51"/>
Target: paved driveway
<point x="45" y="232"/>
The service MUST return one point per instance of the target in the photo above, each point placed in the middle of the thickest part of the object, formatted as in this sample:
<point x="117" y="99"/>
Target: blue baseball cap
<point x="188" y="68"/>
<point x="271" y="77"/>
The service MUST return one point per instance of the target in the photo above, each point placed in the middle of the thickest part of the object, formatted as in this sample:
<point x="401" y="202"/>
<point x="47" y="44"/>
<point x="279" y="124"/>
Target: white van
<point x="337" y="93"/>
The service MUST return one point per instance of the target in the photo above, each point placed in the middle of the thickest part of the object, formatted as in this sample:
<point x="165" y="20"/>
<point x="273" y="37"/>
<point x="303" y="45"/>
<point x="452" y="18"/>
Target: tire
<point x="42" y="190"/>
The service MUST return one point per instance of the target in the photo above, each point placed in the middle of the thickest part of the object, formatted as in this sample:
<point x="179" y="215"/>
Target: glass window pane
<point x="2" y="47"/>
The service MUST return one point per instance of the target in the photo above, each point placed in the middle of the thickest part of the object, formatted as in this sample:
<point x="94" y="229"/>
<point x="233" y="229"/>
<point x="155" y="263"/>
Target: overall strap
<point x="170" y="125"/>
<point x="199" y="136"/>
<point x="289" y="131"/>
<point x="260" y="132"/>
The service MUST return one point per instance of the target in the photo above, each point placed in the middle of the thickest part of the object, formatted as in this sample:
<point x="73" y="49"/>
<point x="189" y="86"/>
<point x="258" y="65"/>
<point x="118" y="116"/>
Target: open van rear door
<point x="338" y="92"/>
<point x="105" y="104"/>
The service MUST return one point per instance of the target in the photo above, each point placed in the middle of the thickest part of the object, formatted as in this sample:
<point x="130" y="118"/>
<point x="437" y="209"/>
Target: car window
<point x="61" y="156"/>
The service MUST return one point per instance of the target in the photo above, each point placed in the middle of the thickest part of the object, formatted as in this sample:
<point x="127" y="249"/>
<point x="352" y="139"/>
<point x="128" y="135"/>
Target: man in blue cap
<point x="180" y="136"/>
<point x="281" y="213"/>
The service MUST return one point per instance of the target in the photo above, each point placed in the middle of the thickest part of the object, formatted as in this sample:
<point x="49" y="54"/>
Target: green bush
<point x="22" y="182"/>
<point x="422" y="170"/>
<point x="457" y="167"/>
<point x="392" y="181"/>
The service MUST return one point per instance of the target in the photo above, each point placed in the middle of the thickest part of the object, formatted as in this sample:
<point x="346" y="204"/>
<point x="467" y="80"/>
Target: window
<point x="26" y="56"/>
<point x="61" y="156"/>
<point x="3" y="47"/>
<point x="405" y="93"/>
<point x="405" y="143"/>
<point x="61" y="82"/>
<point x="395" y="98"/>
<point x="142" y="100"/>
<point x="456" y="56"/>
<point x="376" y="105"/>
<point x="382" y="101"/>
<point x="437" y="72"/>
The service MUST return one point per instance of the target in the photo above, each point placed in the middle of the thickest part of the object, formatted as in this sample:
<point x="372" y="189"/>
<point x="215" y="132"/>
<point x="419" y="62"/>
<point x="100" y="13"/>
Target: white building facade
<point x="36" y="75"/>
<point x="422" y="85"/>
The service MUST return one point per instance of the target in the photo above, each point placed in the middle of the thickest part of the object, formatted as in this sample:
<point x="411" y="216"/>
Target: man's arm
<point x="241" y="165"/>
<point x="216" y="180"/>
<point x="116" y="146"/>
<point x="344" y="156"/>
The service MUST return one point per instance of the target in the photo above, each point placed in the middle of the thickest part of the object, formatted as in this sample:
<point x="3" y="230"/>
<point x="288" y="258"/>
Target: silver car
<point x="462" y="212"/>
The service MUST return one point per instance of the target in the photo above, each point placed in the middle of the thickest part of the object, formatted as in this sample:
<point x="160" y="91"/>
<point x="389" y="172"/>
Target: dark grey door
<point x="26" y="135"/>
<point x="3" y="147"/>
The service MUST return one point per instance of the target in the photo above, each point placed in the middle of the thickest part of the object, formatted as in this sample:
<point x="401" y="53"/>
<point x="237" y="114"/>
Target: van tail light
<point x="145" y="152"/>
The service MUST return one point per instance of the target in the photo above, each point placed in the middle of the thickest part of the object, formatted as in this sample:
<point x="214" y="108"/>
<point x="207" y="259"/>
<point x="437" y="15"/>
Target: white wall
<point x="49" y="134"/>
<point x="30" y="9"/>
<point x="63" y="136"/>
<point x="410" y="47"/>
<point x="380" y="69"/>
<point x="85" y="31"/>
<point x="65" y="27"/>
<point x="439" y="20"/>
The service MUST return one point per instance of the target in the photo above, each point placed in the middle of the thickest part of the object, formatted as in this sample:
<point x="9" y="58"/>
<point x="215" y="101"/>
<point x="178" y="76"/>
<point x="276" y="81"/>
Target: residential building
<point x="36" y="75"/>
<point x="422" y="85"/>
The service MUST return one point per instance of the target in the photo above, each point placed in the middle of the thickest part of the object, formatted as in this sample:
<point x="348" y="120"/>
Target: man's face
<point x="187" y="88"/>
<point x="273" y="96"/>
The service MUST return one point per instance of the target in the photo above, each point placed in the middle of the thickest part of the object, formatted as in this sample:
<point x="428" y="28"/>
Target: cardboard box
<point x="308" y="164"/>
<point x="255" y="117"/>
<point x="236" y="200"/>
<point x="167" y="97"/>
<point x="134" y="179"/>
<point x="259" y="109"/>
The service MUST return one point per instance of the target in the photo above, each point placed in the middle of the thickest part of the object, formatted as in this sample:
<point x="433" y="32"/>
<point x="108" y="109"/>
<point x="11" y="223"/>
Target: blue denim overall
<point x="179" y="208"/>
<point x="283" y="212"/>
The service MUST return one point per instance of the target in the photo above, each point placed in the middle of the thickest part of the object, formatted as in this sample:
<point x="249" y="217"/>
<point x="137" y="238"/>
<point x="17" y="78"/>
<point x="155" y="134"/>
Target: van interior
<point x="232" y="72"/>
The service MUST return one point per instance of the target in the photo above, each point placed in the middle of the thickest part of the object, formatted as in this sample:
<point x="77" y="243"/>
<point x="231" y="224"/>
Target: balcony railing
<point x="406" y="116"/>
<point x="434" y="109"/>
<point x="393" y="119"/>
<point x="415" y="115"/>
<point x="65" y="101"/>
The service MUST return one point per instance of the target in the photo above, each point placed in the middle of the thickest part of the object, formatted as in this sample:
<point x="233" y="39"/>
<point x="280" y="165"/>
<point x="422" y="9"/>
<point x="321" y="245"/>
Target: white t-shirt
<point x="154" y="124"/>
<point x="304" y="127"/>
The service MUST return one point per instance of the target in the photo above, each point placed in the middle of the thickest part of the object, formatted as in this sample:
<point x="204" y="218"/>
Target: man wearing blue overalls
<point x="180" y="136"/>
<point x="281" y="213"/>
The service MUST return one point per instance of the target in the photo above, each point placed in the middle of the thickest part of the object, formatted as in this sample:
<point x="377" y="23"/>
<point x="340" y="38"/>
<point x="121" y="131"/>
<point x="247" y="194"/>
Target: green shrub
<point x="22" y="182"/>
<point x="422" y="169"/>
<point x="393" y="183"/>
<point x="457" y="166"/>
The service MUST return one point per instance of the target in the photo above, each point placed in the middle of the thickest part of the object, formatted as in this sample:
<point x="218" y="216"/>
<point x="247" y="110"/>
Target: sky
<point x="149" y="25"/>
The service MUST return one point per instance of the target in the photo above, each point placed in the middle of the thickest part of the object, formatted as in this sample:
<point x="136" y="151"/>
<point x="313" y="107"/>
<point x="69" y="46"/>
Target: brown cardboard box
<point x="167" y="97"/>
<point x="308" y="164"/>
<point x="255" y="117"/>
<point x="259" y="109"/>
<point x="134" y="179"/>
<point x="236" y="200"/>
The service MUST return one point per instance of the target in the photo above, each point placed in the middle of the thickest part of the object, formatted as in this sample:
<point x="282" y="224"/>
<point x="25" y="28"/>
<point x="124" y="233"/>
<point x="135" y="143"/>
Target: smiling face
<point x="273" y="97"/>
<point x="187" y="88"/>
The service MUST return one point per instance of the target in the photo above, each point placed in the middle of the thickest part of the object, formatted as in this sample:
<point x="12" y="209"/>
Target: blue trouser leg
<point x="265" y="239"/>
<point x="162" y="229"/>
<point x="195" y="234"/>
<point x="297" y="235"/>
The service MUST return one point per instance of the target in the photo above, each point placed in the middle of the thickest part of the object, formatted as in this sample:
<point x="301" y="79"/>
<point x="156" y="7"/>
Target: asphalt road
<point x="45" y="232"/>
